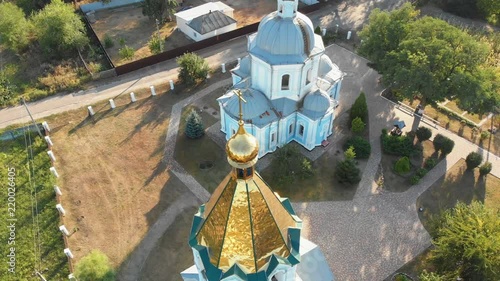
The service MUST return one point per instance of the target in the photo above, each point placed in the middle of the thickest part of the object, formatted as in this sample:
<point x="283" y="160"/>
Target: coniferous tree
<point x="194" y="126"/>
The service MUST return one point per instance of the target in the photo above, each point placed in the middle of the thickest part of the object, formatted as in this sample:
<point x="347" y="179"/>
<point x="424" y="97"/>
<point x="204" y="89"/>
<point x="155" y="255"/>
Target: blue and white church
<point x="291" y="87"/>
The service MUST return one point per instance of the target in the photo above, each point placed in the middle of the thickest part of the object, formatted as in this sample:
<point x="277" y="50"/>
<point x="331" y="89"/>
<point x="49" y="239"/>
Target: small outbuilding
<point x="205" y="21"/>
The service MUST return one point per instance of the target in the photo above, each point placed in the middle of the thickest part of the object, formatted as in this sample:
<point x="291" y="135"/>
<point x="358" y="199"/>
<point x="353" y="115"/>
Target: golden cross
<point x="240" y="98"/>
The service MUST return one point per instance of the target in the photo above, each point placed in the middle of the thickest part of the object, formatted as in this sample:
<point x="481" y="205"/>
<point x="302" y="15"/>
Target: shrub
<point x="421" y="172"/>
<point x="414" y="180"/>
<point x="397" y="145"/>
<point x="126" y="52"/>
<point x="349" y="153"/>
<point x="443" y="144"/>
<point x="14" y="28"/>
<point x="192" y="68"/>
<point x="484" y="135"/>
<point x="155" y="44"/>
<point x="317" y="30"/>
<point x="423" y="134"/>
<point x="359" y="108"/>
<point x="402" y="166"/>
<point x="485" y="169"/>
<point x="194" y="126"/>
<point x="473" y="160"/>
<point x="61" y="77"/>
<point x="362" y="147"/>
<point x="347" y="171"/>
<point x="95" y="267"/>
<point x="430" y="163"/>
<point x="357" y="125"/>
<point x="290" y="163"/>
<point x="108" y="42"/>
<point x="307" y="170"/>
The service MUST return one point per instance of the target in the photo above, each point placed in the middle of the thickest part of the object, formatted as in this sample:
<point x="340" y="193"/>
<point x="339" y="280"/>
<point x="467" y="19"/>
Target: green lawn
<point x="191" y="153"/>
<point x="42" y="252"/>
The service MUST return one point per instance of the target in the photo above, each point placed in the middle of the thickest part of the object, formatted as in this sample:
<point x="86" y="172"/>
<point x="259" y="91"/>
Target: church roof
<point x="210" y="22"/>
<point x="246" y="228"/>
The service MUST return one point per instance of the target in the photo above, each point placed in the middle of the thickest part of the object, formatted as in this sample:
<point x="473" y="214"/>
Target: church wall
<point x="261" y="79"/>
<point x="324" y="129"/>
<point x="295" y="81"/>
<point x="336" y="92"/>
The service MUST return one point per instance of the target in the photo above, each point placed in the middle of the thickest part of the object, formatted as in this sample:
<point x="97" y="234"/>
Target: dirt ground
<point x="124" y="186"/>
<point x="128" y="23"/>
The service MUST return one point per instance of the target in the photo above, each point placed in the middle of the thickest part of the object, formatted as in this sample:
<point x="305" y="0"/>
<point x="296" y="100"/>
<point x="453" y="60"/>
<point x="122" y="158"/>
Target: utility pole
<point x="31" y="116"/>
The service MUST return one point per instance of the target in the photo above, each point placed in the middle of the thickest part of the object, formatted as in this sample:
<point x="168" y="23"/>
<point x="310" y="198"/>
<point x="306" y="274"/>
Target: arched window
<point x="301" y="130"/>
<point x="285" y="82"/>
<point x="308" y="77"/>
<point x="290" y="129"/>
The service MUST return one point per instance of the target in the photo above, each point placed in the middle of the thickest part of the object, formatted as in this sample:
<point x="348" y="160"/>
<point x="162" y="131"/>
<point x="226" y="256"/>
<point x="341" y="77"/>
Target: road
<point x="348" y="14"/>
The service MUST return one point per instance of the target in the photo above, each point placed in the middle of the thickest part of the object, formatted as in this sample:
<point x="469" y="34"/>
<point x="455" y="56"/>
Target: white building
<point x="246" y="232"/>
<point x="206" y="20"/>
<point x="290" y="85"/>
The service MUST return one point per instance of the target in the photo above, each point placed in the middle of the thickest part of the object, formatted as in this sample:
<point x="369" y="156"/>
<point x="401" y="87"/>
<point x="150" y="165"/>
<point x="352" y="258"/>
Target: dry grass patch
<point x="112" y="176"/>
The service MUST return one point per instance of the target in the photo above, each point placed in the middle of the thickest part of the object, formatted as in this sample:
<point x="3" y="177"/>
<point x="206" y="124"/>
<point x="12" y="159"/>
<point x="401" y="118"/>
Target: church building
<point x="246" y="232"/>
<point x="290" y="85"/>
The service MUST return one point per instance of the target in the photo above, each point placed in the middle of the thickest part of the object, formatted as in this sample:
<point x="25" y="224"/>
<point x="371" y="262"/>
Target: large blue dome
<point x="285" y="36"/>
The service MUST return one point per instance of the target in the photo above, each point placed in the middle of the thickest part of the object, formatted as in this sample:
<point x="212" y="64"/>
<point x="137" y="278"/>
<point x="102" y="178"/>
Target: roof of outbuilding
<point x="211" y="21"/>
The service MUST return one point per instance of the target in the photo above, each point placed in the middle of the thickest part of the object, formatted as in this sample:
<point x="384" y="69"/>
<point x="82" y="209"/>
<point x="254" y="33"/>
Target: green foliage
<point x="61" y="77"/>
<point x="421" y="172"/>
<point x="30" y="176"/>
<point x="58" y="29"/>
<point x="347" y="171"/>
<point x="362" y="147"/>
<point x="473" y="160"/>
<point x="485" y="169"/>
<point x="194" y="126"/>
<point x="159" y="9"/>
<point x="108" y="41"/>
<point x="414" y="180"/>
<point x="430" y="276"/>
<point x="349" y="153"/>
<point x="359" y="108"/>
<point x="467" y="241"/>
<point x="484" y="135"/>
<point x="155" y="44"/>
<point x="357" y="125"/>
<point x="14" y="27"/>
<point x="192" y="68"/>
<point x="385" y="31"/>
<point x="423" y="133"/>
<point x="317" y="30"/>
<point x="491" y="10"/>
<point x="443" y="144"/>
<point x="126" y="52"/>
<point x="402" y="166"/>
<point x="397" y="145"/>
<point x="289" y="164"/>
<point x="95" y="267"/>
<point x="430" y="163"/>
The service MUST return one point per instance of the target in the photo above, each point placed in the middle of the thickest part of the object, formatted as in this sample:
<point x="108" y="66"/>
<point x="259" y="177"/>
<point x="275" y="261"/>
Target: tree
<point x="385" y="31"/>
<point x="423" y="134"/>
<point x="491" y="10"/>
<point x="357" y="125"/>
<point x="473" y="160"/>
<point x="402" y="166"/>
<point x="432" y="61"/>
<point x="362" y="147"/>
<point x="194" y="126"/>
<point x="359" y="108"/>
<point x="192" y="68"/>
<point x="443" y="144"/>
<point x="477" y="92"/>
<point x="14" y="27"/>
<point x="159" y="9"/>
<point x="95" y="267"/>
<point x="155" y="44"/>
<point x="349" y="154"/>
<point x="348" y="172"/>
<point x="467" y="241"/>
<point x="485" y="169"/>
<point x="58" y="29"/>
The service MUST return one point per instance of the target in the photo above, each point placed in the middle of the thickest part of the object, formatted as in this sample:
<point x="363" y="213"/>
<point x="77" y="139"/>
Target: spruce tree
<point x="194" y="126"/>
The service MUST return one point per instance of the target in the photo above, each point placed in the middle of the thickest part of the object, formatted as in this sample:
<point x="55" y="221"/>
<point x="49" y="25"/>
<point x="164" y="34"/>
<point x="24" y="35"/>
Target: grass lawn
<point x="36" y="240"/>
<point x="458" y="184"/>
<point x="400" y="183"/>
<point x="190" y="153"/>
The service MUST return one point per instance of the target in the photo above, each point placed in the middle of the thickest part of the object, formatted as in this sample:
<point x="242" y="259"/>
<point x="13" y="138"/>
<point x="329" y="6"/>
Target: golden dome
<point x="242" y="149"/>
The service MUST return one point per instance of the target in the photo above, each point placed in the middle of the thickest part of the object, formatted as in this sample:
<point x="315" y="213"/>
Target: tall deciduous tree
<point x="431" y="60"/>
<point x="192" y="68"/>
<point x="385" y="31"/>
<point x="491" y="9"/>
<point x="468" y="242"/>
<point x="95" y="267"/>
<point x="14" y="27"/>
<point x="159" y="9"/>
<point x="58" y="29"/>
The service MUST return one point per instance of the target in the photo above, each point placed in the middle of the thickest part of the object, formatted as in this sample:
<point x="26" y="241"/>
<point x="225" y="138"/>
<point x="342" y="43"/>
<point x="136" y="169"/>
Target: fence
<point x="93" y="37"/>
<point x="154" y="59"/>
